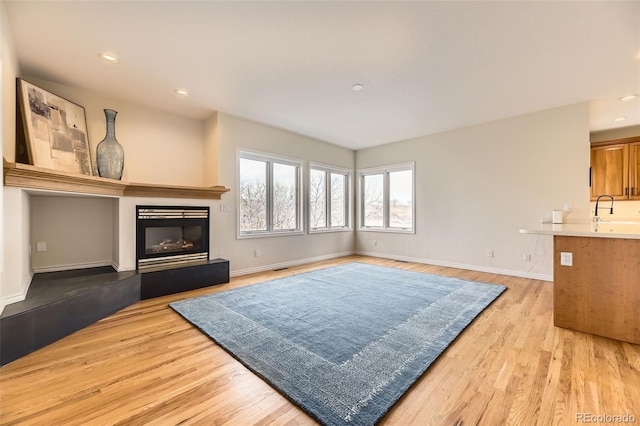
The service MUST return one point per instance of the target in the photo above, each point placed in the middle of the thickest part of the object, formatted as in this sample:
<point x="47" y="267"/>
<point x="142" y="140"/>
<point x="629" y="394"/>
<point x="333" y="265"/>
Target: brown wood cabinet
<point x="615" y="169"/>
<point x="600" y="292"/>
<point x="634" y="170"/>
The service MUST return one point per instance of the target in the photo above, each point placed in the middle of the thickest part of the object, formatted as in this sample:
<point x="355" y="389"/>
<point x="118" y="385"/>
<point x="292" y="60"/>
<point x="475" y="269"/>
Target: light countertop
<point x="602" y="229"/>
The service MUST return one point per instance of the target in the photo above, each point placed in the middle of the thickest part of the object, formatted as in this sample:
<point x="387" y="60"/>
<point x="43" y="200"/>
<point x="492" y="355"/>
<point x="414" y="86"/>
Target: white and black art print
<point x="55" y="130"/>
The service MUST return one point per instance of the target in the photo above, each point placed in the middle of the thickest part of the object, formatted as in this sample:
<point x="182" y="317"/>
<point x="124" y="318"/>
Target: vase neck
<point x="111" y="122"/>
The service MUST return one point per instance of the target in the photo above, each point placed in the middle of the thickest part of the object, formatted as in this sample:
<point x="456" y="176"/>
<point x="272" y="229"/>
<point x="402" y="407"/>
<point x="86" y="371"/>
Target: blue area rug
<point x="344" y="343"/>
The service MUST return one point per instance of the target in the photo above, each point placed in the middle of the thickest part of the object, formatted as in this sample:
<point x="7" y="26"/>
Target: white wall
<point x="612" y="134"/>
<point x="77" y="231"/>
<point x="8" y="73"/>
<point x="234" y="132"/>
<point x="159" y="147"/>
<point x="17" y="273"/>
<point x="477" y="186"/>
<point x="210" y="150"/>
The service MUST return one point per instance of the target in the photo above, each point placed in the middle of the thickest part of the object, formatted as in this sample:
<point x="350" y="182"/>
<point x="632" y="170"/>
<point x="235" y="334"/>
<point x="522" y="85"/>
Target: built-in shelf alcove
<point x="72" y="231"/>
<point x="76" y="235"/>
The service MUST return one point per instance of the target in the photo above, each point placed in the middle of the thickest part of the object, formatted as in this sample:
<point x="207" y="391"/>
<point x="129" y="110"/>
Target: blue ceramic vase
<point x="109" y="154"/>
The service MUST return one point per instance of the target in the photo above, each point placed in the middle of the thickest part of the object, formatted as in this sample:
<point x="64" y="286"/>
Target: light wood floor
<point x="146" y="365"/>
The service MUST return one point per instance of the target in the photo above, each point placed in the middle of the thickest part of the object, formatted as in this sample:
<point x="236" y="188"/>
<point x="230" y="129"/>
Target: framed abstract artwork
<point x="55" y="131"/>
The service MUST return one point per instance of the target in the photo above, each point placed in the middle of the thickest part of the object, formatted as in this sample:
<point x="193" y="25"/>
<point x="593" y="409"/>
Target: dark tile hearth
<point x="61" y="303"/>
<point x="50" y="287"/>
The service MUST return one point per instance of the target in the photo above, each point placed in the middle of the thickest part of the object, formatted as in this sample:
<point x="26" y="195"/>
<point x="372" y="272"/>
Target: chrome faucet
<point x="596" y="217"/>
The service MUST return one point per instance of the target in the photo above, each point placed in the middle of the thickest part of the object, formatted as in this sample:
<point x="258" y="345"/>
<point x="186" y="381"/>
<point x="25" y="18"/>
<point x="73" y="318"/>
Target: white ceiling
<point x="426" y="67"/>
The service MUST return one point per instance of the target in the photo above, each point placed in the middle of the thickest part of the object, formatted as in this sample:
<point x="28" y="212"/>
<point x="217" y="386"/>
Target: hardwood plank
<point x="147" y="365"/>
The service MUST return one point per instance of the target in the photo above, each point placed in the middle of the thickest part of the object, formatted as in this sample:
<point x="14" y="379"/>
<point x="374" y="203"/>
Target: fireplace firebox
<point x="171" y="236"/>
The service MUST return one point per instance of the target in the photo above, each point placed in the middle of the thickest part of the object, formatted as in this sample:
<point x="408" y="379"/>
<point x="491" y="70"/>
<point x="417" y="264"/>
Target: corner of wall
<point x="9" y="71"/>
<point x="210" y="150"/>
<point x="17" y="273"/>
<point x="1" y="292"/>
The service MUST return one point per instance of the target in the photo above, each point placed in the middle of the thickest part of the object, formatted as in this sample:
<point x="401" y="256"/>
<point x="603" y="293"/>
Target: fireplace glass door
<point x="172" y="239"/>
<point x="168" y="235"/>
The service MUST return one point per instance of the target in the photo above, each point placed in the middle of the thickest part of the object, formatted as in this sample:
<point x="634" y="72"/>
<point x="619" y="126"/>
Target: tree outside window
<point x="328" y="198"/>
<point x="269" y="196"/>
<point x="386" y="198"/>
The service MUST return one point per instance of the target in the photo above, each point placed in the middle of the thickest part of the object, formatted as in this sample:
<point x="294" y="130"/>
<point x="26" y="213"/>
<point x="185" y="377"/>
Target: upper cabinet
<point x="634" y="170"/>
<point x="615" y="169"/>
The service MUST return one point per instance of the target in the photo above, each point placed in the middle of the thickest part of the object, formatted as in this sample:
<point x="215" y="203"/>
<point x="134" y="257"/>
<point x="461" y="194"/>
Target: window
<point x="386" y="198"/>
<point x="329" y="189"/>
<point x="269" y="199"/>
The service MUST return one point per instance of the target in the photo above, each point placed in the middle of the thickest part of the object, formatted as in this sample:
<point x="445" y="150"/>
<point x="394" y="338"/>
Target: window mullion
<point x="361" y="190"/>
<point x="347" y="201"/>
<point x="385" y="200"/>
<point x="299" y="201"/>
<point x="327" y="199"/>
<point x="270" y="196"/>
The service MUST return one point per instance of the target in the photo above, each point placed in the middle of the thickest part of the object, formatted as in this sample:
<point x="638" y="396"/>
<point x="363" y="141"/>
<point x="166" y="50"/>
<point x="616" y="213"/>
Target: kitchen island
<point x="596" y="277"/>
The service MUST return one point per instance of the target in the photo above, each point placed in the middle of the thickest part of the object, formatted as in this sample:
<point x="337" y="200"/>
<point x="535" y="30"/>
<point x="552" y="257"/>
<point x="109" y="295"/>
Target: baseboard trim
<point x="73" y="266"/>
<point x="510" y="272"/>
<point x="19" y="297"/>
<point x="297" y="262"/>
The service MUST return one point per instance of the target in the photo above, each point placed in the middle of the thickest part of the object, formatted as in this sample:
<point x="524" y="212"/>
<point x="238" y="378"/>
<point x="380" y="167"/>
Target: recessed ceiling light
<point x="628" y="98"/>
<point x="108" y="57"/>
<point x="619" y="119"/>
<point x="182" y="92"/>
<point x="357" y="87"/>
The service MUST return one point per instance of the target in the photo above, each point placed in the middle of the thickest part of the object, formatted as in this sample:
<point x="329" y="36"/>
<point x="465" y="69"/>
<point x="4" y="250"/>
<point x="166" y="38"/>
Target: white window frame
<point x="328" y="169"/>
<point x="270" y="159"/>
<point x="385" y="171"/>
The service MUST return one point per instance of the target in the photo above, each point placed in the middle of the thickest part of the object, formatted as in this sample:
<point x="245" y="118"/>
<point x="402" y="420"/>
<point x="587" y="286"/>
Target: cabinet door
<point x="634" y="171"/>
<point x="609" y="171"/>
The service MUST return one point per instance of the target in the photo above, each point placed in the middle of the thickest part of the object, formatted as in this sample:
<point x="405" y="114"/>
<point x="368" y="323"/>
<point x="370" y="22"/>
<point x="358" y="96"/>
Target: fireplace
<point x="170" y="236"/>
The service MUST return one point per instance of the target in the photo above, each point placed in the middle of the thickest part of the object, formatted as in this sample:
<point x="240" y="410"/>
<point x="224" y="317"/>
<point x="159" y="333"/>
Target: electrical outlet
<point x="256" y="253"/>
<point x="41" y="246"/>
<point x="226" y="208"/>
<point x="490" y="253"/>
<point x="566" y="258"/>
<point x="526" y="257"/>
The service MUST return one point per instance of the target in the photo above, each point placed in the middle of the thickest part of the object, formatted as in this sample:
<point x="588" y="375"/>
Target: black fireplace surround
<point x="171" y="235"/>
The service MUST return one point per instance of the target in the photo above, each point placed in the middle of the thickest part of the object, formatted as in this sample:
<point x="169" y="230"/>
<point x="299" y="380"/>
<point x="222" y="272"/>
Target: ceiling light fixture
<point x="108" y="57"/>
<point x="619" y="119"/>
<point x="182" y="92"/>
<point x="629" y="97"/>
<point x="357" y="87"/>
